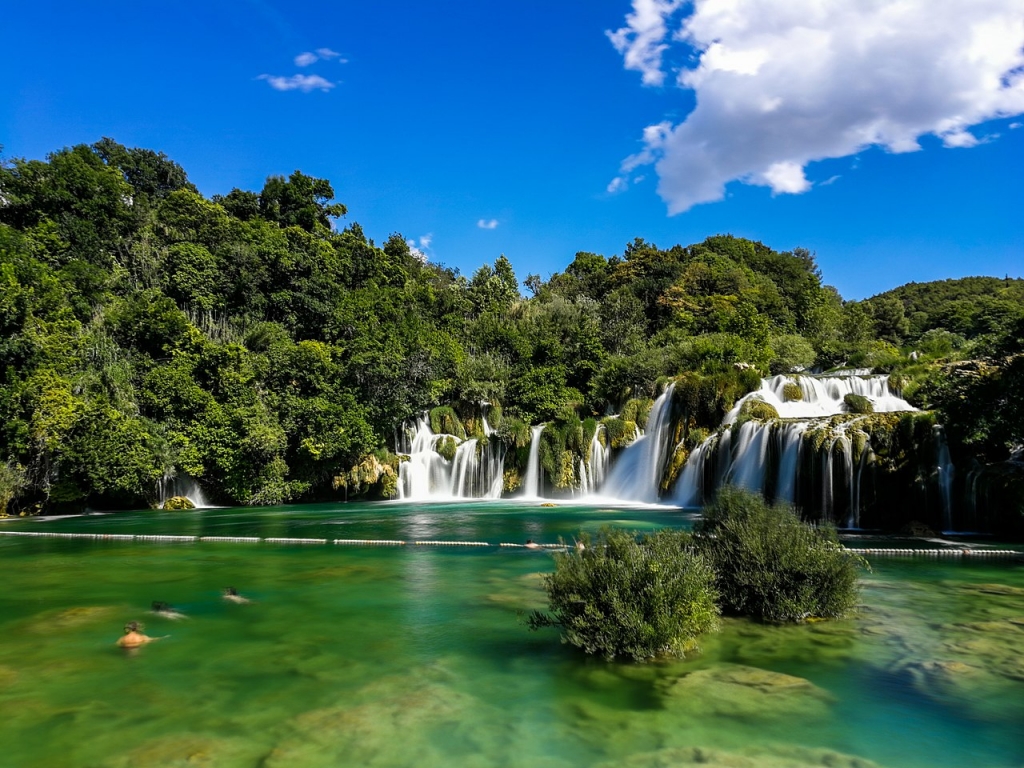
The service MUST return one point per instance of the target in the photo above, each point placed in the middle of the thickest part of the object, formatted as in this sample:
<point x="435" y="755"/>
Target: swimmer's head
<point x="131" y="626"/>
<point x="160" y="605"/>
<point x="231" y="591"/>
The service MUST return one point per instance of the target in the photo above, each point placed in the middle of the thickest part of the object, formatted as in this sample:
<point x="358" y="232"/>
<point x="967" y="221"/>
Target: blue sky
<point x="433" y="119"/>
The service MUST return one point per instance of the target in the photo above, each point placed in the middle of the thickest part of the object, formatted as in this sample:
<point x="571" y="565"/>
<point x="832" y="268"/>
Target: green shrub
<point x="619" y="433"/>
<point x="858" y="404"/>
<point x="446" y="446"/>
<point x="624" y="596"/>
<point x="444" y="420"/>
<point x="773" y="566"/>
<point x="792" y="392"/>
<point x="637" y="411"/>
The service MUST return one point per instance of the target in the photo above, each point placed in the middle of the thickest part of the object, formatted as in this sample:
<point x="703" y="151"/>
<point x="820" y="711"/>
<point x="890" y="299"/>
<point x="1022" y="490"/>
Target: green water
<point x="414" y="655"/>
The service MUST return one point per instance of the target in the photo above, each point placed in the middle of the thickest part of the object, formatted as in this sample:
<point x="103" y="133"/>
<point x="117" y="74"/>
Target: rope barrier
<point x="868" y="551"/>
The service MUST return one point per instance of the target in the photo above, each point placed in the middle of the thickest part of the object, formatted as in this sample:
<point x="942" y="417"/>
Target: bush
<point x="792" y="392"/>
<point x="771" y="565"/>
<point x="624" y="596"/>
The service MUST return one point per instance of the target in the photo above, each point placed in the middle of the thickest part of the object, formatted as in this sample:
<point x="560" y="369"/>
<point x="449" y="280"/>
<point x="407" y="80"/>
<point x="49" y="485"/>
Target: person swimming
<point x="160" y="608"/>
<point x="232" y="596"/>
<point x="133" y="638"/>
<point x="531" y="544"/>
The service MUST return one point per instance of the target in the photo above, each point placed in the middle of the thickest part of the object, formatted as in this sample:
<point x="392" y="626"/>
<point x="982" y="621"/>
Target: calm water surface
<point x="416" y="656"/>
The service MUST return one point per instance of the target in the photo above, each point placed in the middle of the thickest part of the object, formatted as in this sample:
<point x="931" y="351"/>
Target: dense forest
<point x="256" y="342"/>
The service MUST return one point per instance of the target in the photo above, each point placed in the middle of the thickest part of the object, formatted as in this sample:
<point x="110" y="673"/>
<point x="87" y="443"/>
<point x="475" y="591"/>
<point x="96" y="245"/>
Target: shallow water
<point x="415" y="655"/>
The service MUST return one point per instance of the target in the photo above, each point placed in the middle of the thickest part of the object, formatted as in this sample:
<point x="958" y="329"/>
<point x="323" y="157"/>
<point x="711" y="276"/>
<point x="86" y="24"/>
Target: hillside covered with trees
<point x="256" y="342"/>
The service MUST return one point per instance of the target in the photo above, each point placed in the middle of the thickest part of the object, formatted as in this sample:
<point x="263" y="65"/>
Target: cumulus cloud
<point x="304" y="83"/>
<point x="487" y="223"/>
<point x="305" y="59"/>
<point x="781" y="85"/>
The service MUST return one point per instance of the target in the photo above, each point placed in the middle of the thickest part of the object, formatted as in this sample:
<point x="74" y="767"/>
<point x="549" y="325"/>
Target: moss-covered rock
<point x="446" y="446"/>
<point x="757" y="410"/>
<point x="444" y="420"/>
<point x="619" y="432"/>
<point x="858" y="404"/>
<point x="511" y="481"/>
<point x="675" y="466"/>
<point x="792" y="392"/>
<point x="176" y="503"/>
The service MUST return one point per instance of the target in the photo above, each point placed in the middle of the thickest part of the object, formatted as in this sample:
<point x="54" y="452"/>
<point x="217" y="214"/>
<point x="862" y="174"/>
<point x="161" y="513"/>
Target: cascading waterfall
<point x="475" y="471"/>
<point x="531" y="480"/>
<point x="593" y="471"/>
<point x="636" y="475"/>
<point x="181" y="485"/>
<point x="945" y="470"/>
<point x="767" y="456"/>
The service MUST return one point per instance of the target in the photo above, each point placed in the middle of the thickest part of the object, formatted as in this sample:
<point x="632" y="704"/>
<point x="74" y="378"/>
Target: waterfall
<point x="592" y="471"/>
<point x="767" y="456"/>
<point x="791" y="437"/>
<point x="636" y="475"/>
<point x="475" y="471"/>
<point x="531" y="482"/>
<point x="172" y="485"/>
<point x="822" y="396"/>
<point x="944" y="470"/>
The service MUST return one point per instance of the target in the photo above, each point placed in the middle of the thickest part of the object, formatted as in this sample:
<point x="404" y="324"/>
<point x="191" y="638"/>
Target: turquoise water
<point x="416" y="656"/>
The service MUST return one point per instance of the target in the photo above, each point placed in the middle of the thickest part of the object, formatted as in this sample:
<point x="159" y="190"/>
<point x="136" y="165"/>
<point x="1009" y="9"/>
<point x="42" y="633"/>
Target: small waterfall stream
<point x="181" y="485"/>
<point x="531" y="480"/>
<point x="636" y="475"/>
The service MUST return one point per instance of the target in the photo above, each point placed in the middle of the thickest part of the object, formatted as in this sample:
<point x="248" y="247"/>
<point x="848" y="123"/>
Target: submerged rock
<point x="749" y="693"/>
<point x="189" y="750"/>
<point x="765" y="757"/>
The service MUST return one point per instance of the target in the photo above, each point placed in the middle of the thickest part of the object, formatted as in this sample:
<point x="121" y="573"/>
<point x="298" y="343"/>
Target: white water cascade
<point x="592" y="473"/>
<point x="531" y="480"/>
<point x="944" y="468"/>
<point x="475" y="471"/>
<point x="636" y="475"/>
<point x="740" y="456"/>
<point x="181" y="485"/>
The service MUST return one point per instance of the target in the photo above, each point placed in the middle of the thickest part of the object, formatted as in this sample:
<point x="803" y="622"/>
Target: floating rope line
<point x="869" y="551"/>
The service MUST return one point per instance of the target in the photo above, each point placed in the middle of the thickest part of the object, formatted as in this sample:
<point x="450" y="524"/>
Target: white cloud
<point x="487" y="223"/>
<point x="781" y="85"/>
<point x="1015" y="126"/>
<point x="304" y="83"/>
<point x="306" y="58"/>
<point x="618" y="184"/>
<point x="642" y="41"/>
<point x="420" y="252"/>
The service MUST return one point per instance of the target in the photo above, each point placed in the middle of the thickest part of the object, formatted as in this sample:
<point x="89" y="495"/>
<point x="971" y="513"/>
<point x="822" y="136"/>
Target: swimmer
<point x="232" y="596"/>
<point x="133" y="638"/>
<point x="160" y="608"/>
<point x="531" y="544"/>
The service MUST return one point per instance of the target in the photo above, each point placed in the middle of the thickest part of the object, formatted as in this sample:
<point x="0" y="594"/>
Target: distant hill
<point x="969" y="306"/>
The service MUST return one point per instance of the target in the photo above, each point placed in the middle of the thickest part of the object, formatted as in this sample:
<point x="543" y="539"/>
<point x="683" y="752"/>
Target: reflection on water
<point x="415" y="656"/>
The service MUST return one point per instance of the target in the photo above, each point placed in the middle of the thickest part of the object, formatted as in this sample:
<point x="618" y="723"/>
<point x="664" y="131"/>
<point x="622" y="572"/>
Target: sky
<point x="885" y="136"/>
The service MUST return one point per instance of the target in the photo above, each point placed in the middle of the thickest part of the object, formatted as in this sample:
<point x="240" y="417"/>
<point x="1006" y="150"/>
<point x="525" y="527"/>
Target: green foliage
<point x="772" y="566"/>
<point x="626" y="596"/>
<point x="13" y="481"/>
<point x="791" y="353"/>
<point x="637" y="411"/>
<point x="444" y="421"/>
<point x="619" y="432"/>
<point x="858" y="404"/>
<point x="446" y="447"/>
